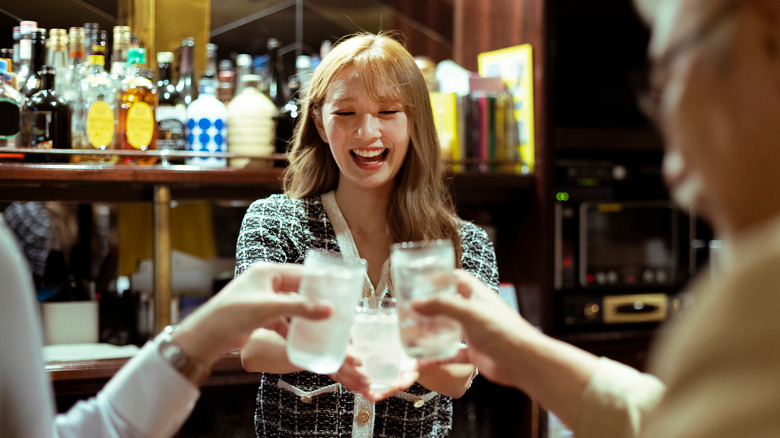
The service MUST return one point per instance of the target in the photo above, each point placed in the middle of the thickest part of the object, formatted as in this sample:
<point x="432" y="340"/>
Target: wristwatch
<point x="194" y="371"/>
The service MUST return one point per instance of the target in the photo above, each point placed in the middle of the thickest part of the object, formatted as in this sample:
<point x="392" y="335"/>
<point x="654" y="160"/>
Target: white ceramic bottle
<point x="251" y="124"/>
<point x="207" y="125"/>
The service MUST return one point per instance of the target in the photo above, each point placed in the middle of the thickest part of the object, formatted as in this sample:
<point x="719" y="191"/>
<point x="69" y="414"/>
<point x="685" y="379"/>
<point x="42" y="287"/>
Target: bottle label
<point x="42" y="129"/>
<point x="10" y="119"/>
<point x="25" y="49"/>
<point x="140" y="125"/>
<point x="171" y="128"/>
<point x="100" y="124"/>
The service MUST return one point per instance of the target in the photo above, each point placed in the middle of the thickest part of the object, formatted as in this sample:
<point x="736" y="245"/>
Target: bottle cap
<point x="225" y="65"/>
<point x="244" y="60"/>
<point x="165" y="57"/>
<point x="26" y="27"/>
<point x="136" y="55"/>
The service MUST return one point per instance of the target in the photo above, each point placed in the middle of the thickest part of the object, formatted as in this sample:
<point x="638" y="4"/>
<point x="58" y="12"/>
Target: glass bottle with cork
<point x="171" y="111"/>
<point x="26" y="29"/>
<point x="46" y="121"/>
<point x="98" y="125"/>
<point x="187" y="86"/>
<point x="120" y="45"/>
<point x="57" y="57"/>
<point x="137" y="126"/>
<point x="71" y="88"/>
<point x="34" y="81"/>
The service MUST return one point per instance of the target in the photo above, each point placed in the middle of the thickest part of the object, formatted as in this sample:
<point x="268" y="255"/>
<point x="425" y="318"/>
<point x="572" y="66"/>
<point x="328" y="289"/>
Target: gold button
<point x="363" y="416"/>
<point x="306" y="399"/>
<point x="419" y="403"/>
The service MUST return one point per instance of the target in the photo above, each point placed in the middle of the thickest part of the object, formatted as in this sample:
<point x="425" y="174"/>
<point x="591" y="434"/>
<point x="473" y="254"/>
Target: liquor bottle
<point x="277" y="80"/>
<point x="34" y="81"/>
<point x="25" y="51"/>
<point x="71" y="88"/>
<point x="278" y="93"/>
<point x="11" y="102"/>
<point x="7" y="55"/>
<point x="225" y="81"/>
<point x="171" y="112"/>
<point x="251" y="124"/>
<point x="325" y="47"/>
<point x="57" y="57"/>
<point x="243" y="67"/>
<point x="287" y="117"/>
<point x="98" y="125"/>
<point x="46" y="121"/>
<point x="207" y="125"/>
<point x="137" y="127"/>
<point x="119" y="52"/>
<point x="17" y="35"/>
<point x="303" y="70"/>
<point x="187" y="87"/>
<point x="91" y="37"/>
<point x="211" y="56"/>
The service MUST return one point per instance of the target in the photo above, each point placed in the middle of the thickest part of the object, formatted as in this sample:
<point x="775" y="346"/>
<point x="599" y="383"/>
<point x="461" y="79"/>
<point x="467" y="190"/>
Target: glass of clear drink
<point x="420" y="271"/>
<point x="377" y="342"/>
<point x="321" y="346"/>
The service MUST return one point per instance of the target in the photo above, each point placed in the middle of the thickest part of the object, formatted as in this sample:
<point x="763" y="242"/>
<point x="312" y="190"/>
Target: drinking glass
<point x="420" y="271"/>
<point x="377" y="342"/>
<point x="321" y="346"/>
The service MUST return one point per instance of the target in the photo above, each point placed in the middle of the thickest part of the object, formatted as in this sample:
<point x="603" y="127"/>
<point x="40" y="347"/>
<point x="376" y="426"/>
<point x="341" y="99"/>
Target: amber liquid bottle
<point x="137" y="126"/>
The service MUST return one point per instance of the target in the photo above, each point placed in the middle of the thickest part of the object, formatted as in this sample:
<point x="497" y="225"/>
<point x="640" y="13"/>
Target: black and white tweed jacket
<point x="304" y="404"/>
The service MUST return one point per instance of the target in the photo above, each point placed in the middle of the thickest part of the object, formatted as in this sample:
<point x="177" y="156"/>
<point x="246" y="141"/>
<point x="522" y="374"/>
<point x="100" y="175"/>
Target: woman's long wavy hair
<point x="420" y="207"/>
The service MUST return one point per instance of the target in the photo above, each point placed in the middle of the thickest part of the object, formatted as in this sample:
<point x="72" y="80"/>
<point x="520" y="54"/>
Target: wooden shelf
<point x="92" y="183"/>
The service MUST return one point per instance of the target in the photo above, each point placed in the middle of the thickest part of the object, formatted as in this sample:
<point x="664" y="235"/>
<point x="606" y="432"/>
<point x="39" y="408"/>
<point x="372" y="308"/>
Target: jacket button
<point x="363" y="416"/>
<point x="419" y="403"/>
<point x="306" y="399"/>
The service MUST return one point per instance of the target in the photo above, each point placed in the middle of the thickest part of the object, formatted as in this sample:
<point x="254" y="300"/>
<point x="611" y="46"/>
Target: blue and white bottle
<point x="207" y="125"/>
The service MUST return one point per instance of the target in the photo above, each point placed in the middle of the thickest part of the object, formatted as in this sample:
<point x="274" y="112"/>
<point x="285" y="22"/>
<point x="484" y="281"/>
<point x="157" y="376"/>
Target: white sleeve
<point x="616" y="401"/>
<point x="146" y="398"/>
<point x="26" y="403"/>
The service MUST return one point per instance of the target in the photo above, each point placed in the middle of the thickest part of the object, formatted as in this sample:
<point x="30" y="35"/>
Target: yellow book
<point x="515" y="66"/>
<point x="445" y="117"/>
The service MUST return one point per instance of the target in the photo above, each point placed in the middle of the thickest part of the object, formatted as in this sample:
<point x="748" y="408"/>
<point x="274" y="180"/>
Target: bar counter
<point x="87" y="377"/>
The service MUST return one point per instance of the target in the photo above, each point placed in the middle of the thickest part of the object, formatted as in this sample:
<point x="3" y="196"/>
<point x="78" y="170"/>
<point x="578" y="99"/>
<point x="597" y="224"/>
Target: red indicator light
<point x="589" y="278"/>
<point x="567" y="262"/>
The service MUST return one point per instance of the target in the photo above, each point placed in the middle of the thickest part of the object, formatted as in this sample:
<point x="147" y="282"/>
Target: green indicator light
<point x="562" y="196"/>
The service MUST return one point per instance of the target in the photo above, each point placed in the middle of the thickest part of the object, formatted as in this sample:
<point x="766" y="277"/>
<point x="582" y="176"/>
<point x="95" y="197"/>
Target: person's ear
<point x="317" y="117"/>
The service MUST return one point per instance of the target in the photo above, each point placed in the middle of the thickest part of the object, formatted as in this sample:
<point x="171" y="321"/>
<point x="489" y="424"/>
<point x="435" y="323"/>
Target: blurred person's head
<point x="715" y="84"/>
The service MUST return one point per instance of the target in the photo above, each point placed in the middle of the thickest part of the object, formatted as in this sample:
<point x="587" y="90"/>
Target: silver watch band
<point x="194" y="371"/>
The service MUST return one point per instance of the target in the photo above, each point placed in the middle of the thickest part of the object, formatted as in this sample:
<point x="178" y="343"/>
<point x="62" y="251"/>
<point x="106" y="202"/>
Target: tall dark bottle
<point x="46" y="121"/>
<point x="279" y="95"/>
<point x="171" y="112"/>
<point x="187" y="86"/>
<point x="34" y="82"/>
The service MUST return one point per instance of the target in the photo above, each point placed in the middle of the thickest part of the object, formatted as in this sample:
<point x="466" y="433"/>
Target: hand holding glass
<point x="321" y="346"/>
<point x="422" y="270"/>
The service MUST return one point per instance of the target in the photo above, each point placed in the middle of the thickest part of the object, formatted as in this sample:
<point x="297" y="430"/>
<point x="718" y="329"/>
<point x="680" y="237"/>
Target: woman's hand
<point x="351" y="375"/>
<point x="406" y="378"/>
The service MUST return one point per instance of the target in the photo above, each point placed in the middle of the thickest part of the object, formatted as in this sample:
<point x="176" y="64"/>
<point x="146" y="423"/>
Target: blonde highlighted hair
<point x="420" y="206"/>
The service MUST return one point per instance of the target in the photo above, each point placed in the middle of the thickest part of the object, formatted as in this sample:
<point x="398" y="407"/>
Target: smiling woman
<point x="365" y="172"/>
